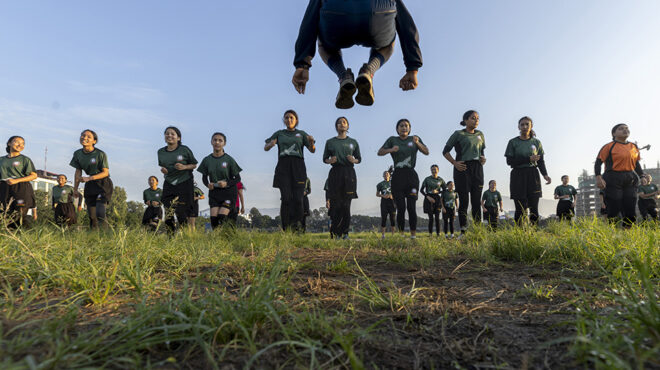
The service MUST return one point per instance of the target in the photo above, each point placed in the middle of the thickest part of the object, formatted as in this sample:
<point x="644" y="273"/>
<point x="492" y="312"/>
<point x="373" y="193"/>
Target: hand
<point x="327" y="204"/>
<point x="210" y="186"/>
<point x="311" y="140"/>
<point x="55" y="205"/>
<point x="85" y="178"/>
<point x="430" y="199"/>
<point x="573" y="205"/>
<point x="242" y="211"/>
<point x="548" y="180"/>
<point x="163" y="170"/>
<point x="222" y="183"/>
<point x="394" y="149"/>
<point x="460" y="165"/>
<point x="154" y="203"/>
<point x="76" y="193"/>
<point x="482" y="160"/>
<point x="501" y="209"/>
<point x="351" y="159"/>
<point x="534" y="158"/>
<point x="600" y="183"/>
<point x="444" y="210"/>
<point x="11" y="181"/>
<point x="332" y="160"/>
<point x="299" y="80"/>
<point x="180" y="166"/>
<point x="409" y="81"/>
<point x="485" y="210"/>
<point x="416" y="139"/>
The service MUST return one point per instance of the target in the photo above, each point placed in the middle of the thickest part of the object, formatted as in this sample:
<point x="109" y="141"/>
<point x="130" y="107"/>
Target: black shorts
<point x="15" y="196"/>
<point x="343" y="24"/>
<point x="290" y="172"/>
<point x="183" y="192"/>
<point x="432" y="207"/>
<point x="342" y="183"/>
<point x="223" y="197"/>
<point x="525" y="183"/>
<point x="405" y="183"/>
<point x="565" y="207"/>
<point x="387" y="206"/>
<point x="98" y="191"/>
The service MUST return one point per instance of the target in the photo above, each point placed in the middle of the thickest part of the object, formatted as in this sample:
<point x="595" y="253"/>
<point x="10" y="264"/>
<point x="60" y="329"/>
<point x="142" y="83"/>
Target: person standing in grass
<point x="566" y="195"/>
<point x="387" y="207"/>
<point x="16" y="193"/>
<point x="306" y="212"/>
<point x="220" y="174"/>
<point x="98" y="186"/>
<point x="152" y="197"/>
<point x="342" y="153"/>
<point x="290" y="172"/>
<point x="449" y="202"/>
<point x="622" y="168"/>
<point x="198" y="195"/>
<point x="525" y="155"/>
<point x="405" y="182"/>
<point x="490" y="202"/>
<point x="647" y="194"/>
<point x="177" y="162"/>
<point x="64" y="211"/>
<point x="469" y="144"/>
<point x="432" y="188"/>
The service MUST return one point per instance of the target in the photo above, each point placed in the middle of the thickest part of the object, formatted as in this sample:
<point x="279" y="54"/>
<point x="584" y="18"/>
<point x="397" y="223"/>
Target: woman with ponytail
<point x="16" y="193"/>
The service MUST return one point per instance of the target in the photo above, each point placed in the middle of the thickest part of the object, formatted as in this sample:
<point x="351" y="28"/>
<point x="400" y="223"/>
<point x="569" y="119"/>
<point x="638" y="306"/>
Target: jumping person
<point x="98" y="186"/>
<point x="16" y="193"/>
<point x="177" y="162"/>
<point x="340" y="24"/>
<point x="621" y="159"/>
<point x="432" y="188"/>
<point x="64" y="211"/>
<point x="387" y="207"/>
<point x="198" y="195"/>
<point x="525" y="155"/>
<point x="405" y="182"/>
<point x="449" y="205"/>
<point x="469" y="144"/>
<point x="152" y="197"/>
<point x="306" y="210"/>
<point x="566" y="195"/>
<point x="342" y="152"/>
<point x="490" y="202"/>
<point x="290" y="172"/>
<point x="647" y="194"/>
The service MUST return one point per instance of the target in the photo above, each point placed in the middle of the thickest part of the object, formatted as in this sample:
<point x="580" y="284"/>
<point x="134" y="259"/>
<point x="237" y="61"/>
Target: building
<point x="45" y="181"/>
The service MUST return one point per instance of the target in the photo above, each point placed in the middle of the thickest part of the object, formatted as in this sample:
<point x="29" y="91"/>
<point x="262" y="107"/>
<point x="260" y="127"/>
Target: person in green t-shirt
<point x="387" y="208"/>
<point x="177" y="162"/>
<point x="525" y="155"/>
<point x="405" y="182"/>
<point x="432" y="188"/>
<point x="566" y="195"/>
<point x="290" y="172"/>
<point x="16" y="193"/>
<point x="449" y="201"/>
<point x="490" y="201"/>
<point x="62" y="199"/>
<point x="469" y="144"/>
<point x="98" y="186"/>
<point x="342" y="153"/>
<point x="152" y="197"/>
<point x="647" y="193"/>
<point x="220" y="174"/>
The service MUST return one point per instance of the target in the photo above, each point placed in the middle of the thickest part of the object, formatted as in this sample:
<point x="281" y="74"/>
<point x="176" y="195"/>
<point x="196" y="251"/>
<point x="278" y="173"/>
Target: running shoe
<point x="365" y="87"/>
<point x="346" y="90"/>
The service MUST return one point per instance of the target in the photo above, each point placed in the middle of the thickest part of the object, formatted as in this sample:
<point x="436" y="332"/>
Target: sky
<point x="128" y="69"/>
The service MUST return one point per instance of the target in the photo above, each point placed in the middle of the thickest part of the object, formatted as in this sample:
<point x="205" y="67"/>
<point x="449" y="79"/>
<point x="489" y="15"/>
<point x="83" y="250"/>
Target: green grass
<point x="130" y="298"/>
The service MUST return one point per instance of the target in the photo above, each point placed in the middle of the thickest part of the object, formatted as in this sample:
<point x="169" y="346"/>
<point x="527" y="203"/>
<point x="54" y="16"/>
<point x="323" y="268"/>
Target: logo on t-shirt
<point x="350" y="146"/>
<point x="157" y="195"/>
<point x="224" y="164"/>
<point x="179" y="157"/>
<point x="16" y="163"/>
<point x="227" y="201"/>
<point x="20" y="202"/>
<point x="63" y="192"/>
<point x="533" y="148"/>
<point x="298" y="135"/>
<point x="92" y="161"/>
<point x="414" y="191"/>
<point x="410" y="144"/>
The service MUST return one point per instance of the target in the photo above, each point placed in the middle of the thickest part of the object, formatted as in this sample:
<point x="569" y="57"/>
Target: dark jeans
<point x="343" y="24"/>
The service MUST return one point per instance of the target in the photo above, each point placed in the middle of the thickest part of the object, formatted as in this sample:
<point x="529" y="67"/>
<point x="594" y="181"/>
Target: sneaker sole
<point x="365" y="90"/>
<point x="345" y="96"/>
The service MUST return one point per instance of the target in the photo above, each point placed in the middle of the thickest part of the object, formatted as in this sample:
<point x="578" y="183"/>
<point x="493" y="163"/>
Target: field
<point x="566" y="296"/>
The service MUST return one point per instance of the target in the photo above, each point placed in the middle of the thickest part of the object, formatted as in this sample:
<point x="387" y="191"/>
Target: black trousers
<point x="469" y="184"/>
<point x="492" y="213"/>
<point x="565" y="210"/>
<point x="15" y="201"/>
<point x="342" y="188"/>
<point x="387" y="209"/>
<point x="152" y="214"/>
<point x="621" y="196"/>
<point x="405" y="185"/>
<point x="290" y="177"/>
<point x="433" y="210"/>
<point x="65" y="214"/>
<point x="525" y="187"/>
<point x="648" y="207"/>
<point x="522" y="205"/>
<point x="178" y="200"/>
<point x="448" y="219"/>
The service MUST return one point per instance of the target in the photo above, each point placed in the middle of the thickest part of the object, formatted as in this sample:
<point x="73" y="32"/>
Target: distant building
<point x="45" y="181"/>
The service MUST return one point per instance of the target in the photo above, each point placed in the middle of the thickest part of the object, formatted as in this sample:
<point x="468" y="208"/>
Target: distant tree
<point x="45" y="212"/>
<point x="134" y="212"/>
<point x="118" y="208"/>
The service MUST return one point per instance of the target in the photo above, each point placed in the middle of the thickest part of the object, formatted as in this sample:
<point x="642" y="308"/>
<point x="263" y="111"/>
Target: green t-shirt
<point x="62" y="194"/>
<point x="647" y="189"/>
<point x="432" y="185"/>
<point x="469" y="147"/>
<point x="182" y="154"/>
<point x="449" y="199"/>
<point x="384" y="188"/>
<point x="16" y="167"/>
<point x="219" y="168"/>
<point x="151" y="195"/>
<point x="406" y="156"/>
<point x="290" y="143"/>
<point x="519" y="148"/>
<point x="91" y="163"/>
<point x="492" y="198"/>
<point x="341" y="148"/>
<point x="566" y="190"/>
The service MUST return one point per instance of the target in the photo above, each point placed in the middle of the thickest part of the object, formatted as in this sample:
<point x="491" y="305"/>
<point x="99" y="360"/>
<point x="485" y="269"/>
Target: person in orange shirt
<point x="622" y="168"/>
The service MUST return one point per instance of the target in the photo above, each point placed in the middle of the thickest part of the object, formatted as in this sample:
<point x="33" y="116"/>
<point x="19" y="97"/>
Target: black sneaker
<point x="364" y="82"/>
<point x="346" y="90"/>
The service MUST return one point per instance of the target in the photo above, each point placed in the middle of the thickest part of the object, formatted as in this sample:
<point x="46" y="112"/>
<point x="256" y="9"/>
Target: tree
<point x="118" y="209"/>
<point x="44" y="210"/>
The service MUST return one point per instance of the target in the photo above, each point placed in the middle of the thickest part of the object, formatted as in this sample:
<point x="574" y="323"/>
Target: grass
<point x="575" y="295"/>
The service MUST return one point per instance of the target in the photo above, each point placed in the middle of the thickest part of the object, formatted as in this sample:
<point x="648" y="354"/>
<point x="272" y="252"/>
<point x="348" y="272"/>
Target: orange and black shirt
<point x="618" y="157"/>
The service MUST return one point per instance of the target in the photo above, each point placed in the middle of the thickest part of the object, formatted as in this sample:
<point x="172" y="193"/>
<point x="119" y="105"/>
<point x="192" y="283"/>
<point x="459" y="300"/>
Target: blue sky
<point x="128" y="69"/>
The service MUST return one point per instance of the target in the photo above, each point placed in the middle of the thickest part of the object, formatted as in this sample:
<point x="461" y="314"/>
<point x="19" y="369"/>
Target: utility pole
<point x="45" y="158"/>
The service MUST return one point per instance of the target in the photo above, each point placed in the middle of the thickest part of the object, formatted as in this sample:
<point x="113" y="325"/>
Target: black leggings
<point x="292" y="208"/>
<point x="434" y="218"/>
<point x="469" y="184"/>
<point x="341" y="216"/>
<point x="521" y="209"/>
<point x="405" y="185"/>
<point x="448" y="219"/>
